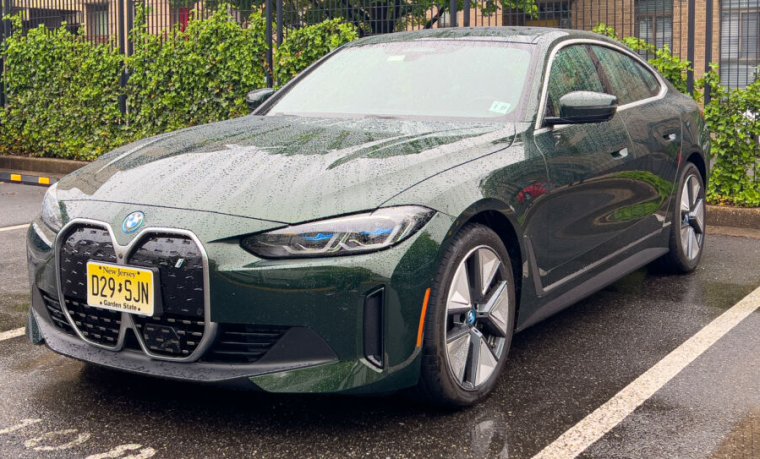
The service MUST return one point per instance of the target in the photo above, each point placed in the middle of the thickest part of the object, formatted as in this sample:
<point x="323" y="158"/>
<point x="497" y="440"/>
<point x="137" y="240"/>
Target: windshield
<point x="453" y="79"/>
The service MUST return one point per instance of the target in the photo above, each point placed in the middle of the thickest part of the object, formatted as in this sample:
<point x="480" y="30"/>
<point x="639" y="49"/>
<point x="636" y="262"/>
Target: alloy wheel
<point x="692" y="217"/>
<point x="477" y="317"/>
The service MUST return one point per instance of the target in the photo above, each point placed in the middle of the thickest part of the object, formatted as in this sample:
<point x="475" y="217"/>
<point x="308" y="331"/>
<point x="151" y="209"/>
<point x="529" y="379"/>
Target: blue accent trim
<point x="379" y="232"/>
<point x="319" y="237"/>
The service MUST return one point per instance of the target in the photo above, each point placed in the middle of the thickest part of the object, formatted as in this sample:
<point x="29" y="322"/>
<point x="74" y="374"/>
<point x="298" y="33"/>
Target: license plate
<point x="120" y="288"/>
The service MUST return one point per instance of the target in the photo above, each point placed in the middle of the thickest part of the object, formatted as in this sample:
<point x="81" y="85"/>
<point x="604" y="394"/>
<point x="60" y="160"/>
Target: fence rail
<point x="725" y="32"/>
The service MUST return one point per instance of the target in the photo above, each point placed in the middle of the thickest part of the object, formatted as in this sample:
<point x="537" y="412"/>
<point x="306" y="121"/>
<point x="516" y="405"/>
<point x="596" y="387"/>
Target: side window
<point x="629" y="80"/>
<point x="572" y="70"/>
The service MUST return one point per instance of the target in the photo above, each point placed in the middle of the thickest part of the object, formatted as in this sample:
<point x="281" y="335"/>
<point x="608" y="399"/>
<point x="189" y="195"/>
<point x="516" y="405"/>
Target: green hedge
<point x="62" y="96"/>
<point x="63" y="91"/>
<point x="733" y="117"/>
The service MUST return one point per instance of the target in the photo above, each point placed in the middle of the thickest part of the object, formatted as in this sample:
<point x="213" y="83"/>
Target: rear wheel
<point x="469" y="325"/>
<point x="687" y="233"/>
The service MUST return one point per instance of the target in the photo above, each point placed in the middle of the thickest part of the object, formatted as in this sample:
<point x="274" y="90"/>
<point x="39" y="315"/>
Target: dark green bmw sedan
<point x="387" y="220"/>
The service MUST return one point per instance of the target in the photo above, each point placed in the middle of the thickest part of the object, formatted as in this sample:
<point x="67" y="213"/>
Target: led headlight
<point x="348" y="235"/>
<point x="51" y="209"/>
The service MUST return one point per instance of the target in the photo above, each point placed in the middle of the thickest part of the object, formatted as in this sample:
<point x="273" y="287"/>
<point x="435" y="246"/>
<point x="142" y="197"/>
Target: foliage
<point x="733" y="117"/>
<point x="64" y="92"/>
<point x="385" y="16"/>
<point x="195" y="76"/>
<point x="673" y="68"/>
<point x="62" y="95"/>
<point x="307" y="45"/>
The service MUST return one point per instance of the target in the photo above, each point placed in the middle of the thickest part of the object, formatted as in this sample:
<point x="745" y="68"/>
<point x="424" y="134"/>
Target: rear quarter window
<point x="628" y="79"/>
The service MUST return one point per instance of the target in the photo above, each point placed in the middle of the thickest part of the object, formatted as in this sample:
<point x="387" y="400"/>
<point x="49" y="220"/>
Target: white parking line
<point x="12" y="333"/>
<point x="11" y="228"/>
<point x="606" y="417"/>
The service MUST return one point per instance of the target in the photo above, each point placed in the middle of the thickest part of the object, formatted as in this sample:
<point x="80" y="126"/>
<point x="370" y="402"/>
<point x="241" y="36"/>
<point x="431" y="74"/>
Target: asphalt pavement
<point x="559" y="372"/>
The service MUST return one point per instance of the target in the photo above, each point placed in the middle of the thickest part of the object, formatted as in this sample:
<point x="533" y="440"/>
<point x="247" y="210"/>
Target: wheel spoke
<point x="698" y="216"/>
<point x="693" y="244"/>
<point x="685" y="200"/>
<point x="458" y="347"/>
<point x="495" y="313"/>
<point x="482" y="362"/>
<point x="488" y="265"/>
<point x="694" y="194"/>
<point x="459" y="300"/>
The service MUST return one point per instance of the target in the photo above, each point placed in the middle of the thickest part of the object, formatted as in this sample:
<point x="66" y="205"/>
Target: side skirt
<point x="594" y="284"/>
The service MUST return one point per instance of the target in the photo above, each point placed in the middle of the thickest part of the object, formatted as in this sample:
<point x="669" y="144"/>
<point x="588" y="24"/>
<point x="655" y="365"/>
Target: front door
<point x="577" y="223"/>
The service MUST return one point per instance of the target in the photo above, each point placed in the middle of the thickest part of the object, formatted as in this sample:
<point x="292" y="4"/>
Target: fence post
<point x="279" y="22"/>
<point x="4" y="32"/>
<point x="122" y="34"/>
<point x="466" y="13"/>
<point x="453" y="13"/>
<point x="270" y="60"/>
<point x="690" y="46"/>
<point x="708" y="44"/>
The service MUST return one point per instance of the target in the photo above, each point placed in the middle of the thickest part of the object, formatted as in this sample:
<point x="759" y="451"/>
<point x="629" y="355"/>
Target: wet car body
<point x="577" y="206"/>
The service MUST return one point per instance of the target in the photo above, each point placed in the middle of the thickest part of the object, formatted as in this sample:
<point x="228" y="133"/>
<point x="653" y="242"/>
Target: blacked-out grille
<point x="83" y="244"/>
<point x="96" y="324"/>
<point x="180" y="326"/>
<point x="56" y="313"/>
<point x="243" y="343"/>
<point x="170" y="335"/>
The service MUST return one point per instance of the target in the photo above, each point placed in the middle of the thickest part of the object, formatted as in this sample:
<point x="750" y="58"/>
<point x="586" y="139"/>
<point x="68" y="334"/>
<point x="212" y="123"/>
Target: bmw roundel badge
<point x="133" y="222"/>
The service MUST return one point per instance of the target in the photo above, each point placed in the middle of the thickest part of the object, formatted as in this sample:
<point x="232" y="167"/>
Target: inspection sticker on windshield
<point x="501" y="108"/>
<point x="396" y="58"/>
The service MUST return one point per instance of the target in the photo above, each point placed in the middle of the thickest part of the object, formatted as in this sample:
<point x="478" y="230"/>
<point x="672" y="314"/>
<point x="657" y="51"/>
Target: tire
<point x="687" y="230"/>
<point x="478" y="329"/>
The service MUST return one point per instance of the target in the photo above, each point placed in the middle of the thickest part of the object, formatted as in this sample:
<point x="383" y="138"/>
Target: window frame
<point x="742" y="24"/>
<point x="541" y="114"/>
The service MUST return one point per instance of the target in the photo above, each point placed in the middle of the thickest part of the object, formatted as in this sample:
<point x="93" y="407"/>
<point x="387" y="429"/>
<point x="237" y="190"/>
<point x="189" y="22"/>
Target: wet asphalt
<point x="559" y="371"/>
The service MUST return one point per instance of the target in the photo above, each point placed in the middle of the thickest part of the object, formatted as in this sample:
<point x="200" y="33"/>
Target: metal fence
<point x="726" y="32"/>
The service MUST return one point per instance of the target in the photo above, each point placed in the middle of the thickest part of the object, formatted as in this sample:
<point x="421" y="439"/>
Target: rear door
<point x="578" y="222"/>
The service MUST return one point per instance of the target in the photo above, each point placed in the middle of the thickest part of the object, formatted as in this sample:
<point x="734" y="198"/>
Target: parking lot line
<point x="12" y="333"/>
<point x="594" y="426"/>
<point x="11" y="228"/>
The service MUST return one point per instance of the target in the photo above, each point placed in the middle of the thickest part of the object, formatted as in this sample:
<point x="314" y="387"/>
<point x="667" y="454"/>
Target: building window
<point x="97" y="22"/>
<point x="654" y="22"/>
<point x="739" y="42"/>
<point x="552" y="14"/>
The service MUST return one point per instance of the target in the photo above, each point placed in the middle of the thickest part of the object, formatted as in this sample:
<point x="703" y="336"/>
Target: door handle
<point x="620" y="154"/>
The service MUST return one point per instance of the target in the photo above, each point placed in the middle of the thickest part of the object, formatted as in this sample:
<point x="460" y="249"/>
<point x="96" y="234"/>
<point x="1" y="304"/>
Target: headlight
<point x="348" y="235"/>
<point x="51" y="209"/>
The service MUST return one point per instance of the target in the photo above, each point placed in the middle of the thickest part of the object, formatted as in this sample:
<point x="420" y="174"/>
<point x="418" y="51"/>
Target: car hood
<point x="283" y="169"/>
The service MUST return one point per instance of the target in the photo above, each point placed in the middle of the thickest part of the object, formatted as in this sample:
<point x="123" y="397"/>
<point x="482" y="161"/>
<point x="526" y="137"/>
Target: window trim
<point x="742" y="31"/>
<point x="541" y="114"/>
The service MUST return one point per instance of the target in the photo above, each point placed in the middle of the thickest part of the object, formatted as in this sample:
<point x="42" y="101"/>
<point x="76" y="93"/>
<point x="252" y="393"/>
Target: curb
<point x="26" y="179"/>
<point x="734" y="217"/>
<point x="49" y="166"/>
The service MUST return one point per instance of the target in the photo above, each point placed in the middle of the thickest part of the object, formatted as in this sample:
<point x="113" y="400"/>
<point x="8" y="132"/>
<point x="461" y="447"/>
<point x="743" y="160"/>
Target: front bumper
<point x="319" y="304"/>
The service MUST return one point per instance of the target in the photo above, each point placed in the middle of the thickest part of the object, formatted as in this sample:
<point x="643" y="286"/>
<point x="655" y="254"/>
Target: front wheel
<point x="470" y="322"/>
<point x="687" y="233"/>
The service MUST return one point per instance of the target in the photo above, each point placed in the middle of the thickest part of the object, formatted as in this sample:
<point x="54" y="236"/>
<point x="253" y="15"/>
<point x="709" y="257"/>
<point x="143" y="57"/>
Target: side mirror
<point x="581" y="107"/>
<point x="257" y="97"/>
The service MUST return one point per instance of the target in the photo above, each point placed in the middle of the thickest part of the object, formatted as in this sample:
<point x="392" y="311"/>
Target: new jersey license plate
<point x="120" y="288"/>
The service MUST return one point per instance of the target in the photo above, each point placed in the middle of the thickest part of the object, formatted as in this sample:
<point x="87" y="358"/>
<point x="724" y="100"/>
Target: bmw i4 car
<point x="387" y="220"/>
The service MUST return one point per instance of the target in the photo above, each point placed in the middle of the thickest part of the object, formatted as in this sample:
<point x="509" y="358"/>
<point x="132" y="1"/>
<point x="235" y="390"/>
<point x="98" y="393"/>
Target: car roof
<point x="500" y="34"/>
